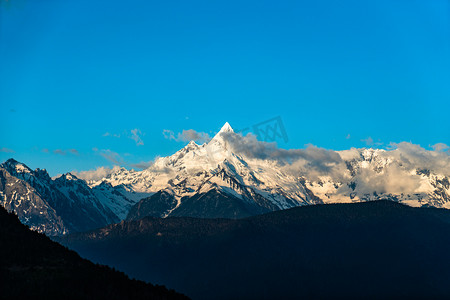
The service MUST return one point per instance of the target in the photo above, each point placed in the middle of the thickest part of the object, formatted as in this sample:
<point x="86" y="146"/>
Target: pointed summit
<point x="69" y="176"/>
<point x="14" y="167"/>
<point x="218" y="144"/>
<point x="191" y="146"/>
<point x="11" y="161"/>
<point x="226" y="128"/>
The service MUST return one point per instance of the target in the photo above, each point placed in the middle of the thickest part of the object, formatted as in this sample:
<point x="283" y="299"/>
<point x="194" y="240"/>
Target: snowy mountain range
<point x="231" y="176"/>
<point x="55" y="207"/>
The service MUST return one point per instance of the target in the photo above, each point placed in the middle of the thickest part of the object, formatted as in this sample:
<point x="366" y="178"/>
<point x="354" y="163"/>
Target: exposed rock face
<point x="54" y="207"/>
<point x="224" y="178"/>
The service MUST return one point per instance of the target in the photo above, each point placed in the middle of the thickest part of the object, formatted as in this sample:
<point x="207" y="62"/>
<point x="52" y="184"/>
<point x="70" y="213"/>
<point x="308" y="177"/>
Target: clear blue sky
<point x="337" y="72"/>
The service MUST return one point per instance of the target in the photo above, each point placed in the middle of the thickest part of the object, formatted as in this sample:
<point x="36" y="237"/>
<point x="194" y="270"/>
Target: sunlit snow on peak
<point x="226" y="128"/>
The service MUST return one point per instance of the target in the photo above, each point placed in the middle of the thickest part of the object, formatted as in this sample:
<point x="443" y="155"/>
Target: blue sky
<point x="76" y="75"/>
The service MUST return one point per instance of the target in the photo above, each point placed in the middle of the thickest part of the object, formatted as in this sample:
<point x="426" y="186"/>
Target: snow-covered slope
<point x="268" y="184"/>
<point x="232" y="176"/>
<point x="118" y="198"/>
<point x="19" y="196"/>
<point x="58" y="206"/>
<point x="198" y="169"/>
<point x="374" y="174"/>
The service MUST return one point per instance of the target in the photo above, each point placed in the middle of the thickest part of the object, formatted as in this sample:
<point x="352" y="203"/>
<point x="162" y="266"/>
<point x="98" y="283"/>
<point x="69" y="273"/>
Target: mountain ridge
<point x="68" y="198"/>
<point x="251" y="177"/>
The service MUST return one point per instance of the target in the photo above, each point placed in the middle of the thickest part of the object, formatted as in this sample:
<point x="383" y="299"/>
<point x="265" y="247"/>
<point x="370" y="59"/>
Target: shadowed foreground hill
<point x="34" y="267"/>
<point x="377" y="249"/>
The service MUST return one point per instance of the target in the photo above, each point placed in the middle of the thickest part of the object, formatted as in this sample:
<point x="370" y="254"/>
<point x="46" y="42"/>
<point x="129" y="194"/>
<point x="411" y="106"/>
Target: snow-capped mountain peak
<point x="218" y="147"/>
<point x="15" y="167"/>
<point x="226" y="128"/>
<point x="214" y="166"/>
<point x="222" y="179"/>
<point x="191" y="146"/>
<point x="52" y="206"/>
<point x="68" y="176"/>
<point x="363" y="174"/>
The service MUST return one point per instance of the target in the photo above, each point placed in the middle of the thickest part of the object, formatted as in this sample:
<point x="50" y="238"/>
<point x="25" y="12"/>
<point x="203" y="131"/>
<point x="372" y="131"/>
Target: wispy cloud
<point x="116" y="135"/>
<point x="111" y="156"/>
<point x="312" y="158"/>
<point x="74" y="151"/>
<point x="192" y="135"/>
<point x="142" y="165"/>
<point x="400" y="163"/>
<point x="6" y="150"/>
<point x="414" y="156"/>
<point x="136" y="136"/>
<point x="97" y="174"/>
<point x="116" y="159"/>
<point x="168" y="134"/>
<point x="187" y="135"/>
<point x="440" y="147"/>
<point x="370" y="142"/>
<point x="59" y="152"/>
<point x="63" y="152"/>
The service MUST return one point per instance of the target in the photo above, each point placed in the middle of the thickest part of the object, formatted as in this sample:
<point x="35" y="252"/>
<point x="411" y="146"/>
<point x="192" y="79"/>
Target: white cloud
<point x="168" y="134"/>
<point x="414" y="156"/>
<point x="142" y="165"/>
<point x="440" y="147"/>
<point x="187" y="135"/>
<point x="192" y="135"/>
<point x="136" y="136"/>
<point x="312" y="161"/>
<point x="96" y="174"/>
<point x="111" y="156"/>
<point x="398" y="176"/>
<point x="368" y="141"/>
<point x="116" y="135"/>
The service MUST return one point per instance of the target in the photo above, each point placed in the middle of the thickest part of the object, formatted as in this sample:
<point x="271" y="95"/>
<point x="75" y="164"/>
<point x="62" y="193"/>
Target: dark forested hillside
<point x="34" y="267"/>
<point x="377" y="249"/>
